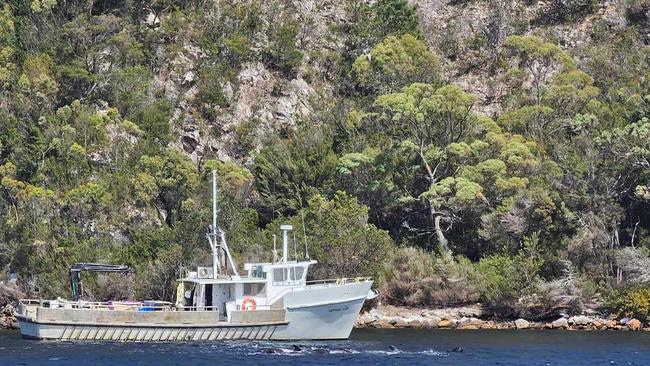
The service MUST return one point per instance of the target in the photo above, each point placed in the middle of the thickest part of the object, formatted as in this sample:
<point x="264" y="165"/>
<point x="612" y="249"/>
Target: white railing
<point x="339" y="281"/>
<point x="114" y="305"/>
<point x="330" y="282"/>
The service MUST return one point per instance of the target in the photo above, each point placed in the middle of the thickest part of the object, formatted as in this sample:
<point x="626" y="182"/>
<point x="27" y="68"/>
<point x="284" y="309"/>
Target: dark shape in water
<point x="274" y="351"/>
<point x="456" y="349"/>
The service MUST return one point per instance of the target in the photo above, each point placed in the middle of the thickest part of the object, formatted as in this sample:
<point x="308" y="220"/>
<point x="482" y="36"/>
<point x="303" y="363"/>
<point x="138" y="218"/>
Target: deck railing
<point x="150" y="305"/>
<point x="330" y="282"/>
<point x="339" y="281"/>
<point x="115" y="305"/>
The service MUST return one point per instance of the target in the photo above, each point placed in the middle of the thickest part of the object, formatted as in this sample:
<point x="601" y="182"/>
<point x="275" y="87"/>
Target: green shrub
<point x="507" y="278"/>
<point x="417" y="278"/>
<point x="635" y="303"/>
<point x="210" y="93"/>
<point x="396" y="17"/>
<point x="282" y="53"/>
<point x="394" y="63"/>
<point x="372" y="23"/>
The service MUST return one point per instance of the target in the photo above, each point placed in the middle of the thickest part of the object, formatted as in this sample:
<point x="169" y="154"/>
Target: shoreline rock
<point x="8" y="317"/>
<point x="473" y="318"/>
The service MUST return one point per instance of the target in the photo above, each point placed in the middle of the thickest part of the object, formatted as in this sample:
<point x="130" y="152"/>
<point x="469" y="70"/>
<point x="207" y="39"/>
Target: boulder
<point x="383" y="324"/>
<point x="430" y="323"/>
<point x="476" y="321"/>
<point x="9" y="310"/>
<point x="488" y="325"/>
<point x="433" y="319"/>
<point x="522" y="324"/>
<point x="579" y="320"/>
<point x="465" y="321"/>
<point x="598" y="324"/>
<point x="560" y="323"/>
<point x="634" y="324"/>
<point x="414" y="323"/>
<point x="400" y="323"/>
<point x="446" y="323"/>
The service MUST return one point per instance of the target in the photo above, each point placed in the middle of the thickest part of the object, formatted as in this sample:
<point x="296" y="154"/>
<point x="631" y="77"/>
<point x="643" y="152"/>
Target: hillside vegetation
<point x="471" y="150"/>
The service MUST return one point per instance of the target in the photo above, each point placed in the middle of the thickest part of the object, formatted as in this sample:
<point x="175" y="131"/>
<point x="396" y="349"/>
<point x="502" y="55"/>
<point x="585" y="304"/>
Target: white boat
<point x="271" y="301"/>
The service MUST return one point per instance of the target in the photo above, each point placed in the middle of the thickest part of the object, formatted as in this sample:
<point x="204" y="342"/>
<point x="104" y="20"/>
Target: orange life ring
<point x="248" y="304"/>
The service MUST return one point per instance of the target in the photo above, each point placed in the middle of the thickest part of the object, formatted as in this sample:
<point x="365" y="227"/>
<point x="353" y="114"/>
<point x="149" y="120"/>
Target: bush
<point x="633" y="264"/>
<point x="394" y="63"/>
<point x="566" y="295"/>
<point x="506" y="279"/>
<point x="372" y="23"/>
<point x="111" y="287"/>
<point x="635" y="303"/>
<point x="558" y="11"/>
<point x="416" y="278"/>
<point x="282" y="54"/>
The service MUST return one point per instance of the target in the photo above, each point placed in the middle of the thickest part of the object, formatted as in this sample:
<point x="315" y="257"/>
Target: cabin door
<point x="208" y="297"/>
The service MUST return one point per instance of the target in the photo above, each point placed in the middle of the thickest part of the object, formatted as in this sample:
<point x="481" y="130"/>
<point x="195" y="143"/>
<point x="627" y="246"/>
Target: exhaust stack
<point x="285" y="241"/>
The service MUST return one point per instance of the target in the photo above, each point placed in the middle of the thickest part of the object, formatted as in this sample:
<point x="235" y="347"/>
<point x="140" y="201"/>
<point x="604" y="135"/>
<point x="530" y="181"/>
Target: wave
<point x="305" y="350"/>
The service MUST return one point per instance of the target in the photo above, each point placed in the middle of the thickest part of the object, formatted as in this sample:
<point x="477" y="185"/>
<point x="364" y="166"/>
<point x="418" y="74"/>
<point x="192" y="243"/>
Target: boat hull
<point x="313" y="315"/>
<point x="32" y="330"/>
<point x="307" y="314"/>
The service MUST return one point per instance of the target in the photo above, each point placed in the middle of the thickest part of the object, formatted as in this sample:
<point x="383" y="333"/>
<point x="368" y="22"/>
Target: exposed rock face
<point x="259" y="94"/>
<point x="522" y="324"/>
<point x="449" y="28"/>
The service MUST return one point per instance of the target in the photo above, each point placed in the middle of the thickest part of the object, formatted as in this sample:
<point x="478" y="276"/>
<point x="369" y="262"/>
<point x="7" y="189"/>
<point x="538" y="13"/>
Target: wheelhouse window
<point x="279" y="275"/>
<point x="257" y="272"/>
<point x="297" y="273"/>
<point x="255" y="289"/>
<point x="288" y="276"/>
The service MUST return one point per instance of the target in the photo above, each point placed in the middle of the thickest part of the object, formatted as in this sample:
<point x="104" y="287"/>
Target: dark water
<point x="365" y="347"/>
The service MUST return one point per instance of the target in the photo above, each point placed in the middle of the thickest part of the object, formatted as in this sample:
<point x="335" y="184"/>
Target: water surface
<point x="365" y="347"/>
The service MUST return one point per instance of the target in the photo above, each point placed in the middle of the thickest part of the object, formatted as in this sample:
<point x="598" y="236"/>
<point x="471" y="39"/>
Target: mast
<point x="217" y="238"/>
<point x="213" y="235"/>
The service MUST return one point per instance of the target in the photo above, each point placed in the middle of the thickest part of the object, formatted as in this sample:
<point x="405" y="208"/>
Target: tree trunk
<point x="442" y="241"/>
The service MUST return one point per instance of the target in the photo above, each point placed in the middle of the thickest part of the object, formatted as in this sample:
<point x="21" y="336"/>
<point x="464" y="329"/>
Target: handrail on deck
<point x="339" y="281"/>
<point x="327" y="282"/>
<point x="115" y="305"/>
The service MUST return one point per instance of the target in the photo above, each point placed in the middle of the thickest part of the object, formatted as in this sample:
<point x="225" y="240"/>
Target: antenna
<point x="275" y="250"/>
<point x="295" y="247"/>
<point x="304" y="233"/>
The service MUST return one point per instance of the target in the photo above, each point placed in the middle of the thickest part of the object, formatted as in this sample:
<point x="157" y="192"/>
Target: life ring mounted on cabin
<point x="249" y="304"/>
